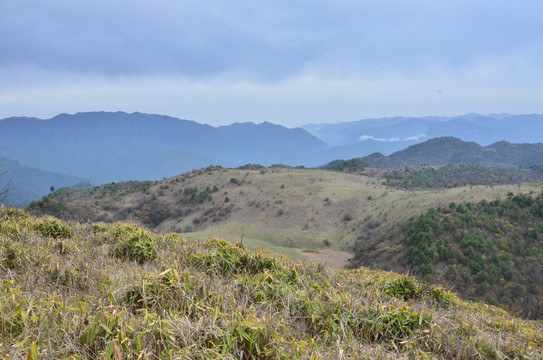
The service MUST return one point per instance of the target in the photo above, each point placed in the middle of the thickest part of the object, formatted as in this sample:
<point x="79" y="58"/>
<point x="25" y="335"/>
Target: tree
<point x="5" y="189"/>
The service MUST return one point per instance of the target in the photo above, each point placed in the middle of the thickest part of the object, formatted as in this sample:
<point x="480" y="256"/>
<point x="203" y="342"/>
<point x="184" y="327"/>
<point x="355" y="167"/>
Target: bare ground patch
<point x="328" y="257"/>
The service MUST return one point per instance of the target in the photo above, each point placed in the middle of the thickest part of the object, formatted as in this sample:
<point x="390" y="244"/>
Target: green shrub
<point x="225" y="258"/>
<point x="402" y="287"/>
<point x="392" y="323"/>
<point x="49" y="226"/>
<point x="133" y="243"/>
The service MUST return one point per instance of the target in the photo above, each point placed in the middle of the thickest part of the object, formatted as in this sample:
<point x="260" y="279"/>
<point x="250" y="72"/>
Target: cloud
<point x="263" y="41"/>
<point x="392" y="139"/>
<point x="415" y="138"/>
<point x="285" y="62"/>
<point x="369" y="137"/>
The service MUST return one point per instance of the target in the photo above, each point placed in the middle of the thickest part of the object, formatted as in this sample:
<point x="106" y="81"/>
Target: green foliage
<point x="495" y="247"/>
<point x="225" y="258"/>
<point x="403" y="287"/>
<point x="194" y="196"/>
<point x="51" y="227"/>
<point x="449" y="176"/>
<point x="133" y="243"/>
<point x="393" y="324"/>
<point x="351" y="166"/>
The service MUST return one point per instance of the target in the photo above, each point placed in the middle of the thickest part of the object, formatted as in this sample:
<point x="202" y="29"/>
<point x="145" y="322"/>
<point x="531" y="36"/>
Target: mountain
<point x="397" y="133"/>
<point x="119" y="146"/>
<point x="449" y="150"/>
<point x="28" y="184"/>
<point x="106" y="146"/>
<point x="119" y="291"/>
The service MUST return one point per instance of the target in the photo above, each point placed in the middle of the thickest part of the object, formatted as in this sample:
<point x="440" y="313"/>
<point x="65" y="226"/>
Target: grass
<point x="166" y="297"/>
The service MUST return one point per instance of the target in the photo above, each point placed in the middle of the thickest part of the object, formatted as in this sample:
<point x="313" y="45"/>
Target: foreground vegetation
<point x="119" y="291"/>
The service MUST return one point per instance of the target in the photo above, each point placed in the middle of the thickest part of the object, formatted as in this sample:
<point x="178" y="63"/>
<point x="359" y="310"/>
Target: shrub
<point x="133" y="243"/>
<point x="402" y="287"/>
<point x="52" y="227"/>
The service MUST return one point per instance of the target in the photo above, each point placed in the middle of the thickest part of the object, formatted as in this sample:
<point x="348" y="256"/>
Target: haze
<point x="289" y="63"/>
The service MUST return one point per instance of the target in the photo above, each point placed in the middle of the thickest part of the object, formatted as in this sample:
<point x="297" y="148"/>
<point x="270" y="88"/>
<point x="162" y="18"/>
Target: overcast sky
<point x="287" y="62"/>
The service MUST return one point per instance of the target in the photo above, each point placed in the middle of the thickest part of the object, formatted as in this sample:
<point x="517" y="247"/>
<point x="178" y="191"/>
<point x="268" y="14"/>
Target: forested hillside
<point x="450" y="150"/>
<point x="438" y="177"/>
<point x="492" y="250"/>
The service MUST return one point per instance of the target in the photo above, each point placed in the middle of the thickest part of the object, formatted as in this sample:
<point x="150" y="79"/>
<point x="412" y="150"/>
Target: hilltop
<point x="120" y="291"/>
<point x="449" y="150"/>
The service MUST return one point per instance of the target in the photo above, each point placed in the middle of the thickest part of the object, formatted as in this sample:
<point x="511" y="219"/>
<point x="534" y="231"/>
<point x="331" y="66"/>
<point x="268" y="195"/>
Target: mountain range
<point x="397" y="133"/>
<point x="111" y="147"/>
<point x="118" y="146"/>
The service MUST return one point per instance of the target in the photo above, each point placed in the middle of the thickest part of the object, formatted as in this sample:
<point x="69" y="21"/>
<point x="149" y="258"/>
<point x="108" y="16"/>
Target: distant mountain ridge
<point x="396" y="133"/>
<point x="450" y="150"/>
<point x="117" y="146"/>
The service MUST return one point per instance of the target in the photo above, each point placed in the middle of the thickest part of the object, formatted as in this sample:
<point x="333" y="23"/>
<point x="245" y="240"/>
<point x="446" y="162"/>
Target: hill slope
<point x="489" y="250"/>
<point x="280" y="208"/>
<point x="118" y="291"/>
<point x="29" y="184"/>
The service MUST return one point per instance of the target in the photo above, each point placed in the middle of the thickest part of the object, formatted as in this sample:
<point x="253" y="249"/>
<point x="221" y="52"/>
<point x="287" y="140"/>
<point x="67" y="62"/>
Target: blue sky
<point x="287" y="62"/>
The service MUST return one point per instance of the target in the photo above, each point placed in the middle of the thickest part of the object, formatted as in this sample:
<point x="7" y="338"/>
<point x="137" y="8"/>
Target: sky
<point x="287" y="62"/>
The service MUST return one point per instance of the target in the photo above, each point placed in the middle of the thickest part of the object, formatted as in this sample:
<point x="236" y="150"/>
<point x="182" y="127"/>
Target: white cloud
<point x="415" y="138"/>
<point x="392" y="139"/>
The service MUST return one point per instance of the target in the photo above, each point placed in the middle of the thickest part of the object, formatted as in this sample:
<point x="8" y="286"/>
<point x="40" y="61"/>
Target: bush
<point x="52" y="227"/>
<point x="133" y="243"/>
<point x="402" y="287"/>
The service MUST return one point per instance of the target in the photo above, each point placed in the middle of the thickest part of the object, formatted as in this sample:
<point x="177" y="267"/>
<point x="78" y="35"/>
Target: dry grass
<point x="69" y="292"/>
<point x="281" y="209"/>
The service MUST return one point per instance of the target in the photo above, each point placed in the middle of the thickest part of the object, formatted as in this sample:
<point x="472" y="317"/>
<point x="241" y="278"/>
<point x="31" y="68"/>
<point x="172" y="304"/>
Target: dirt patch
<point x="336" y="259"/>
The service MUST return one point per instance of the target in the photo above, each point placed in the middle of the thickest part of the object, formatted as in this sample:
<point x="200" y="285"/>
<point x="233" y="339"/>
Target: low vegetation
<point x="439" y="177"/>
<point x="356" y="165"/>
<point x="117" y="291"/>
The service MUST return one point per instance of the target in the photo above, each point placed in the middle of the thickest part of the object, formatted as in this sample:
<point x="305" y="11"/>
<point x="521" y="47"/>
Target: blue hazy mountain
<point x="107" y="146"/>
<point x="399" y="132"/>
<point x="28" y="184"/>
<point x="119" y="146"/>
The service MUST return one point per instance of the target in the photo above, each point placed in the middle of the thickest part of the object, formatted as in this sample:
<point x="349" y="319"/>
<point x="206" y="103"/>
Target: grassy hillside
<point x="440" y="176"/>
<point x="284" y="209"/>
<point x="118" y="291"/>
